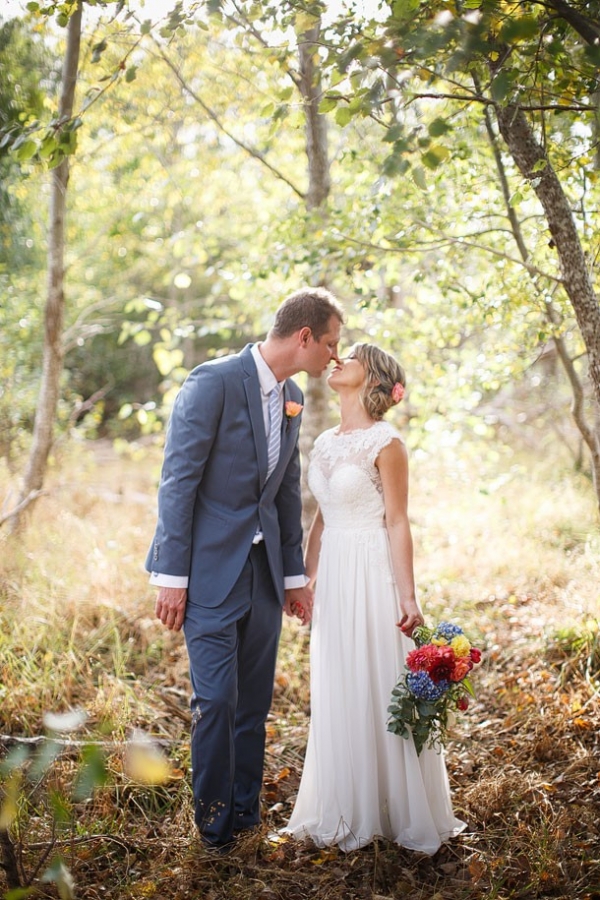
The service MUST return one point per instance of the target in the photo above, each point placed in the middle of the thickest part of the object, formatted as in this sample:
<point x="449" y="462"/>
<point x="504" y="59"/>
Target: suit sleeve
<point x="289" y="510"/>
<point x="190" y="436"/>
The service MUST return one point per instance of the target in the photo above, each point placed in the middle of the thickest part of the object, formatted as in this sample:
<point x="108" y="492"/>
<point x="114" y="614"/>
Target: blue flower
<point x="421" y="685"/>
<point x="447" y="630"/>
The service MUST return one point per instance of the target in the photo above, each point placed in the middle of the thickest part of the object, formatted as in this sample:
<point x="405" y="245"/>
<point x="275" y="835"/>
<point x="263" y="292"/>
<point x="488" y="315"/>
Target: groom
<point x="227" y="552"/>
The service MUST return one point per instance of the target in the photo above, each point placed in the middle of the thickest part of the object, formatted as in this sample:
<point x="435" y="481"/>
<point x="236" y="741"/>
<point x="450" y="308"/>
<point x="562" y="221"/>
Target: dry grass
<point x="509" y="549"/>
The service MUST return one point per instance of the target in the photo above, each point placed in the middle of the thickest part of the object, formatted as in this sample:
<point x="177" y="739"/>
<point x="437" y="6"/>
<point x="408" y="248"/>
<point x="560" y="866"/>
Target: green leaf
<point x="501" y="86"/>
<point x="56" y="159"/>
<point x="343" y="115"/>
<point x="467" y="684"/>
<point x="352" y="53"/>
<point x="435" y="156"/>
<point x="539" y="166"/>
<point x="61" y="876"/>
<point x="43" y="759"/>
<point x="304" y="21"/>
<point x="26" y="150"/>
<point x="438" y="127"/>
<point x="146" y="27"/>
<point x="14" y="760"/>
<point x="519" y="29"/>
<point x="515" y="198"/>
<point x="393" y="134"/>
<point x="131" y="74"/>
<point x="395" y="164"/>
<point x="593" y="54"/>
<point x="404" y="9"/>
<point x="92" y="774"/>
<point x="328" y="103"/>
<point x="97" y="50"/>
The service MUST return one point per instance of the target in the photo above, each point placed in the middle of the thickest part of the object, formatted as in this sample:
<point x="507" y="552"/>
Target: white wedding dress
<point x="359" y="780"/>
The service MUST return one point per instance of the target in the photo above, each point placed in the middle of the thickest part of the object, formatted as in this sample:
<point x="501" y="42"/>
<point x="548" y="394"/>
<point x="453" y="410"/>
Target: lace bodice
<point x="344" y="478"/>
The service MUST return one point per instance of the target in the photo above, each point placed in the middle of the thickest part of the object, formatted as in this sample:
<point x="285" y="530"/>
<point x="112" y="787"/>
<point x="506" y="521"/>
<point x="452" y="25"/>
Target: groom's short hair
<point x="307" y="307"/>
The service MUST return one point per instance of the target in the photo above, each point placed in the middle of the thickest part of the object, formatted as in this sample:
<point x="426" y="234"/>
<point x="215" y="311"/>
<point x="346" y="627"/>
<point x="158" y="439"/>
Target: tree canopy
<point x="454" y="213"/>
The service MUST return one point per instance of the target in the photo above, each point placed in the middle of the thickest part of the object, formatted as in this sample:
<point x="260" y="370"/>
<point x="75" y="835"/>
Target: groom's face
<point x="319" y="353"/>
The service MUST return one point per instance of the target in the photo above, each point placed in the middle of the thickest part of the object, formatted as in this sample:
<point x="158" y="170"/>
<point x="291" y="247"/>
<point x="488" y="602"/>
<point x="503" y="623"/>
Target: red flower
<point x="475" y="655"/>
<point x="442" y="666"/>
<point x="420" y="660"/>
<point x="462" y="703"/>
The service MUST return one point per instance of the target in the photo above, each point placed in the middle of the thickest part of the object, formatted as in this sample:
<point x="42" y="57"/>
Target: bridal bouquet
<point x="435" y="684"/>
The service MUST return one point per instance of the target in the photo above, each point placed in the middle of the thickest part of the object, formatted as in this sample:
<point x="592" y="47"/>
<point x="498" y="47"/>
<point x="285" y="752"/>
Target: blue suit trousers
<point x="232" y="651"/>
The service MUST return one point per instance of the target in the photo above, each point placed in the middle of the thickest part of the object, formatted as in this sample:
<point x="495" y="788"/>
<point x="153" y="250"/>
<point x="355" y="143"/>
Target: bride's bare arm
<point x="313" y="547"/>
<point x="392" y="463"/>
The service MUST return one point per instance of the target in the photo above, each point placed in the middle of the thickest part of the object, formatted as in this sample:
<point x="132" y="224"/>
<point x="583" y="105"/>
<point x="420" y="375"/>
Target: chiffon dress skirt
<point x="359" y="780"/>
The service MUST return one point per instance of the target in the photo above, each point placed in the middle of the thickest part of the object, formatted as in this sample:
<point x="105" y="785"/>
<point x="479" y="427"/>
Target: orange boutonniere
<point x="293" y="409"/>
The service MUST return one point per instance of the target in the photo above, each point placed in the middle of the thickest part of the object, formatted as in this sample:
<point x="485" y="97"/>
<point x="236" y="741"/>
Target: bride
<point x="359" y="780"/>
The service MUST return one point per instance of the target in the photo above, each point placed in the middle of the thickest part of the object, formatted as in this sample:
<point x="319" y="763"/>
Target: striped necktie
<point x="275" y="416"/>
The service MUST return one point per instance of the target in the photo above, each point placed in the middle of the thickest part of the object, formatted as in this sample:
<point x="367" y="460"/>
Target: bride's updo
<point x="385" y="381"/>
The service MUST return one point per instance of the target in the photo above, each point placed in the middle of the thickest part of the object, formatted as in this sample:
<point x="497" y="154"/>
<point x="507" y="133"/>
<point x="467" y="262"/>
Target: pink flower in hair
<point x="397" y="392"/>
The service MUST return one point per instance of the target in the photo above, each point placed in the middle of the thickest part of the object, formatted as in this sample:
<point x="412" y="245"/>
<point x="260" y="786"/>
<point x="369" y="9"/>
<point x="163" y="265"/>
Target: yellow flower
<point x="461" y="645"/>
<point x="293" y="409"/>
<point x="439" y="641"/>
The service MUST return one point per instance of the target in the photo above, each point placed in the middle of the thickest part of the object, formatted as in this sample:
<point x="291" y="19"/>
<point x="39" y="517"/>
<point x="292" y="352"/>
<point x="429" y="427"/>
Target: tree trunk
<point x="533" y="163"/>
<point x="527" y="152"/>
<point x="589" y="435"/>
<point x="52" y="368"/>
<point x="315" y="129"/>
<point x="319" y="184"/>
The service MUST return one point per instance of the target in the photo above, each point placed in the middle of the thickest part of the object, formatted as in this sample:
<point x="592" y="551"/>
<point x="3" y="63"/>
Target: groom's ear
<point x="304" y="336"/>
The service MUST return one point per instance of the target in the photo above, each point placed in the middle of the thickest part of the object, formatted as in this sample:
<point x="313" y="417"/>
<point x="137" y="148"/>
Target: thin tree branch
<point x="488" y="101"/>
<point x="446" y="240"/>
<point x="251" y="151"/>
<point x="23" y="504"/>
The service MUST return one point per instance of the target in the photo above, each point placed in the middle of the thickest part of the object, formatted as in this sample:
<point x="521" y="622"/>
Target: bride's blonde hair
<point x="383" y="375"/>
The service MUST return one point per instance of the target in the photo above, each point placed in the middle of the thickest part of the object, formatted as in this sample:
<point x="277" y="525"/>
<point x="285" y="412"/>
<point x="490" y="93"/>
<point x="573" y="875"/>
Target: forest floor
<point x="523" y="762"/>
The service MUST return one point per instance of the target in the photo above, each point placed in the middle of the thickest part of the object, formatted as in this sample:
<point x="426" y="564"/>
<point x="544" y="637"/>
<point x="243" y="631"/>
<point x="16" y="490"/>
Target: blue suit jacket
<point x="214" y="493"/>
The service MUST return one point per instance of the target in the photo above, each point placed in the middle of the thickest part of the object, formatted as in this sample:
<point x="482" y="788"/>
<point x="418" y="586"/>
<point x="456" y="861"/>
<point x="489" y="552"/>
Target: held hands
<point x="299" y="603"/>
<point x="170" y="607"/>
<point x="411" y="618"/>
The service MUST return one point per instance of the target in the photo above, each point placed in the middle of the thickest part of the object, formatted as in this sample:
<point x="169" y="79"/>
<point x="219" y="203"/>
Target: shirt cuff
<point x="295" y="581"/>
<point x="173" y="581"/>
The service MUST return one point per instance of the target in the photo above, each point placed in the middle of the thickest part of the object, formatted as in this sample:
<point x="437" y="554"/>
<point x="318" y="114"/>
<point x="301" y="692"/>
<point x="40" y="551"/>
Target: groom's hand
<point x="170" y="607"/>
<point x="299" y="603"/>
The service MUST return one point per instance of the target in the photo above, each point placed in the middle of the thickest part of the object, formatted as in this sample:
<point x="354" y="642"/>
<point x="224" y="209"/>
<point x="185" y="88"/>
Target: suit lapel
<point x="252" y="388"/>
<point x="286" y="432"/>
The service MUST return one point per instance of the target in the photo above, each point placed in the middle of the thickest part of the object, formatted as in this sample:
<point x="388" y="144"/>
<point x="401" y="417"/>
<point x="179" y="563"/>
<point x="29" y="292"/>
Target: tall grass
<point x="77" y="611"/>
<point x="506" y="544"/>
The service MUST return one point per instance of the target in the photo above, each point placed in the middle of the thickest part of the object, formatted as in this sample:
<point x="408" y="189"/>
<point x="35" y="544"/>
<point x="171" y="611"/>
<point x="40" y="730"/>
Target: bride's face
<point x="347" y="373"/>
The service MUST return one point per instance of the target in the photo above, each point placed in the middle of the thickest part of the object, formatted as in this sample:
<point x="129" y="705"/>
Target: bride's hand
<point x="411" y="619"/>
